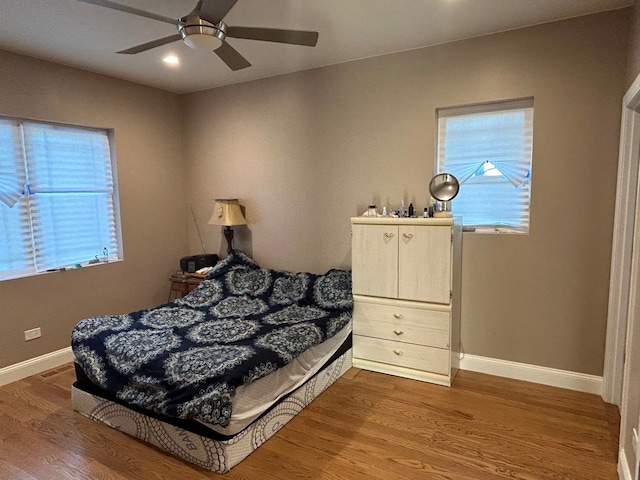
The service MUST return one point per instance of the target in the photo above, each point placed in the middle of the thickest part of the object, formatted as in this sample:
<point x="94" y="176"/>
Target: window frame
<point x="526" y="105"/>
<point x="32" y="268"/>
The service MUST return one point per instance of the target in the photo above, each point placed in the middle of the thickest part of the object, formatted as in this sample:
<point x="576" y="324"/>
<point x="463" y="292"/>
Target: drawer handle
<point x="398" y="352"/>
<point x="407" y="235"/>
<point x="398" y="332"/>
<point x="388" y="235"/>
<point x="398" y="315"/>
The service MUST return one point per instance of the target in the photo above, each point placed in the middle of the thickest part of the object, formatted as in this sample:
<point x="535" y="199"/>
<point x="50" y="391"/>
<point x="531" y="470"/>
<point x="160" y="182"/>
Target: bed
<point x="213" y="375"/>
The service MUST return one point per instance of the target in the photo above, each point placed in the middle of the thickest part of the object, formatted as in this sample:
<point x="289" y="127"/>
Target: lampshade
<point x="227" y="212"/>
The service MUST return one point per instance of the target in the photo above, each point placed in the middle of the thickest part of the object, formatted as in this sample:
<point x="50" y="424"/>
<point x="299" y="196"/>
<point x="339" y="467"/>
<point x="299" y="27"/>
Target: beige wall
<point x="149" y="138"/>
<point x="306" y="151"/>
<point x="633" y="64"/>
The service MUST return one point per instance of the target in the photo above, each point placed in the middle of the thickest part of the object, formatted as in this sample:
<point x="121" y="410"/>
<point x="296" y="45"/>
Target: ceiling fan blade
<point x="215" y="10"/>
<point x="231" y="57"/>
<point x="153" y="44"/>
<point x="132" y="10"/>
<point x="295" y="37"/>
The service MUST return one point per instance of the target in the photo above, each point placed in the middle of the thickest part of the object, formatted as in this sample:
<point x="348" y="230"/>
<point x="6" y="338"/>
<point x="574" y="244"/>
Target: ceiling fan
<point x="204" y="29"/>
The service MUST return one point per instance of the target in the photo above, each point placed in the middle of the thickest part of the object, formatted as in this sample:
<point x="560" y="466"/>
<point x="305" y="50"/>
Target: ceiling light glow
<point x="171" y="60"/>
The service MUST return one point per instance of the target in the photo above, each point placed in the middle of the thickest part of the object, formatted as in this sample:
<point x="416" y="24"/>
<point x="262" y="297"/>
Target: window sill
<point x="79" y="266"/>
<point x="494" y="230"/>
<point x="56" y="270"/>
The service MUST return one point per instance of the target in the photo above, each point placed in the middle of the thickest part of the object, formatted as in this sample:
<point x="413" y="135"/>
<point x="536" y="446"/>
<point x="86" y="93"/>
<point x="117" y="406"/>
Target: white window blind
<point x="489" y="149"/>
<point x="58" y="203"/>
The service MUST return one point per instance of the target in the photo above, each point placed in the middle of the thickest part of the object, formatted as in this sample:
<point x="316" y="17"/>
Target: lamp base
<point x="228" y="234"/>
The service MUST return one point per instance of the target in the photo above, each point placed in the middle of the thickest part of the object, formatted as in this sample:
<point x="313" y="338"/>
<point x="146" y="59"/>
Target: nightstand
<point x="183" y="283"/>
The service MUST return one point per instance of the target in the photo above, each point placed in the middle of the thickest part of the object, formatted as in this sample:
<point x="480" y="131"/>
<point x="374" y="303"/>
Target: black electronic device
<point x="195" y="262"/>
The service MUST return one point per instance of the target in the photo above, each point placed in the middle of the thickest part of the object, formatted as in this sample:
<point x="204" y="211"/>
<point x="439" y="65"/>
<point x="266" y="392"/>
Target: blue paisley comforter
<point x="186" y="358"/>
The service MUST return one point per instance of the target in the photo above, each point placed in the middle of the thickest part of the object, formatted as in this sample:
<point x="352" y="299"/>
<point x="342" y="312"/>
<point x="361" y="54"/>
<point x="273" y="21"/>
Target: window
<point x="489" y="149"/>
<point x="58" y="202"/>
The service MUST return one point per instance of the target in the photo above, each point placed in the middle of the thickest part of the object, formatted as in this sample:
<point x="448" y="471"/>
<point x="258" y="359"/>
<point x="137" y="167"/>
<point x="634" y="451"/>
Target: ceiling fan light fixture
<point x="204" y="29"/>
<point x="202" y="35"/>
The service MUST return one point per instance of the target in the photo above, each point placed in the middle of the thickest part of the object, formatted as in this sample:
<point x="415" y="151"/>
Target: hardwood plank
<point x="367" y="426"/>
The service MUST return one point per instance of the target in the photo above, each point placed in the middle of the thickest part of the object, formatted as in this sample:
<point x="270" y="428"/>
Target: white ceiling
<point x="86" y="36"/>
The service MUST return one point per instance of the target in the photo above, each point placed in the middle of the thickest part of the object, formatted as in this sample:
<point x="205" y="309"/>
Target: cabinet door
<point x="374" y="259"/>
<point x="424" y="265"/>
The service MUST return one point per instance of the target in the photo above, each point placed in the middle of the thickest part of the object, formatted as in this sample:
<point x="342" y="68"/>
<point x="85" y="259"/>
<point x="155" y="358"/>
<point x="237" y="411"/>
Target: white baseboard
<point x="533" y="373"/>
<point x="501" y="368"/>
<point x="34" y="366"/>
<point x="624" y="473"/>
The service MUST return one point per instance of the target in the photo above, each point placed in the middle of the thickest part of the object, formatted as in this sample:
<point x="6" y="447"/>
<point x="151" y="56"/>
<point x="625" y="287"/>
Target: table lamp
<point x="227" y="212"/>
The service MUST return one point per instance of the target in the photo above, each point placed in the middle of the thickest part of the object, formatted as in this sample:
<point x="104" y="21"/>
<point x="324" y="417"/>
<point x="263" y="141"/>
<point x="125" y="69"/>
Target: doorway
<point x="622" y="353"/>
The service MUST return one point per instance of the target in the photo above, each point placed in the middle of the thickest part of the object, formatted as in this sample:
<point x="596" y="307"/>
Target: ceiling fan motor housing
<point x="200" y="34"/>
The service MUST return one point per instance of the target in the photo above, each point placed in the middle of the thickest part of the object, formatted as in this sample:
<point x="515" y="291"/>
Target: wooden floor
<point x="365" y="426"/>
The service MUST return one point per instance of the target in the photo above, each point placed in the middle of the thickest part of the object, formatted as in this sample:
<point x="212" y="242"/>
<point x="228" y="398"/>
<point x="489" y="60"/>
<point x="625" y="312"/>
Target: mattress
<point x="188" y="358"/>
<point x="206" y="448"/>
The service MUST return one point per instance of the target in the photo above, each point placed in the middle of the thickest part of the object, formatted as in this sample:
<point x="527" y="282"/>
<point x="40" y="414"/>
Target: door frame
<point x="622" y="249"/>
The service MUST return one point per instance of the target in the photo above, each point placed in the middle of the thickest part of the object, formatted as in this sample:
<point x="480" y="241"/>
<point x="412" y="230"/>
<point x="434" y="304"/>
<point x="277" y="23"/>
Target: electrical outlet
<point x="32" y="334"/>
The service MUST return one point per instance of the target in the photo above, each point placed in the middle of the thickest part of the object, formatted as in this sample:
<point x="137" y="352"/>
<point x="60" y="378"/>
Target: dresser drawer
<point x="399" y="322"/>
<point x="402" y="354"/>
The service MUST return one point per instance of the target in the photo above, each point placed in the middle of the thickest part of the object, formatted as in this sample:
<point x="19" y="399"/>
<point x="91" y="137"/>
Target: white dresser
<point x="406" y="289"/>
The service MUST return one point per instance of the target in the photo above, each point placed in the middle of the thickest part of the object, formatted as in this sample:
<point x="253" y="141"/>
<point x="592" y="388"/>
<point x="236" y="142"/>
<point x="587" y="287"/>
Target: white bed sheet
<point x="252" y="400"/>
